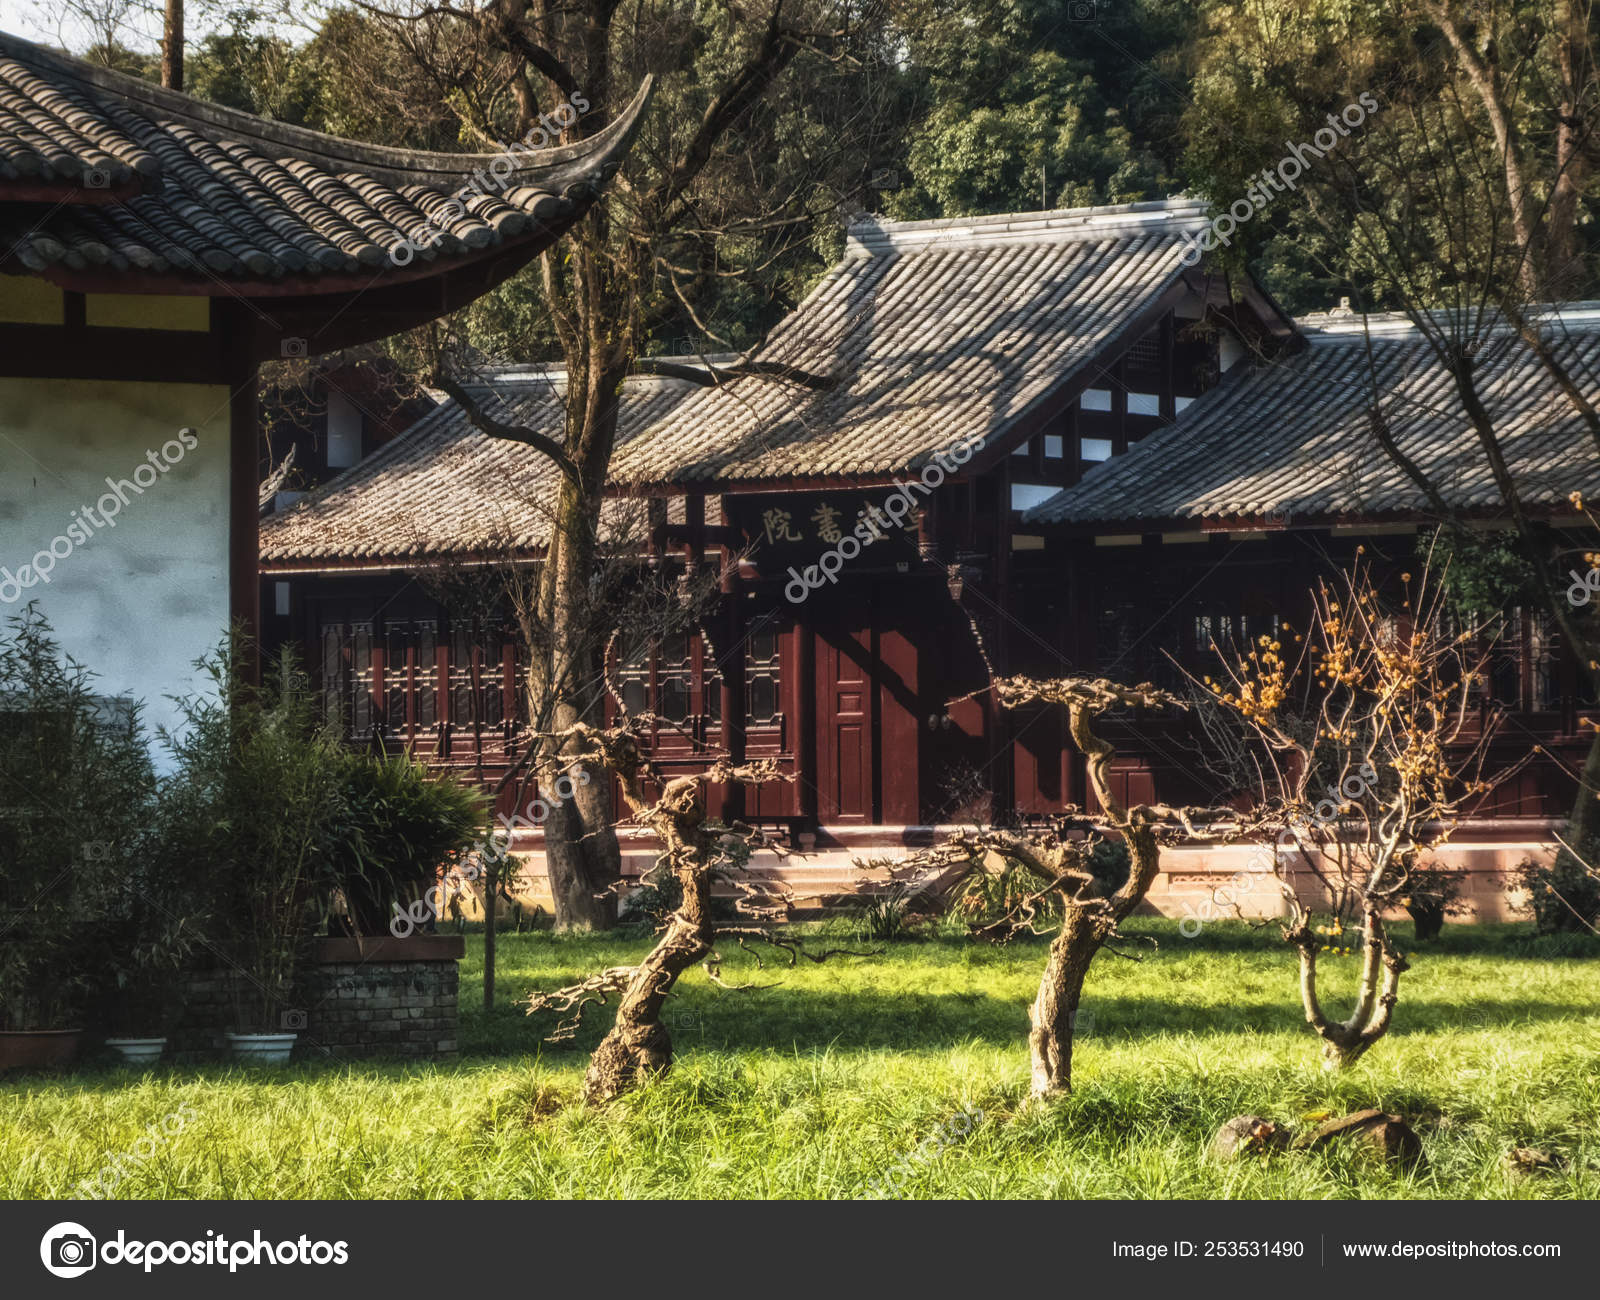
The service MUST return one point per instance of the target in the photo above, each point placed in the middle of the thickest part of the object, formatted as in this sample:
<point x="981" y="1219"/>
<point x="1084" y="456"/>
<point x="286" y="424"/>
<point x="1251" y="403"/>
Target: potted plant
<point x="258" y="805"/>
<point x="153" y="928"/>
<point x="404" y="822"/>
<point x="76" y="784"/>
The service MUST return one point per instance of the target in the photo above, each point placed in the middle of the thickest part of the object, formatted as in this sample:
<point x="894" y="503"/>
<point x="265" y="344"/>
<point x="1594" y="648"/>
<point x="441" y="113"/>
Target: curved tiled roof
<point x="444" y="489"/>
<point x="932" y="331"/>
<point x="1292" y="438"/>
<point x="107" y="172"/>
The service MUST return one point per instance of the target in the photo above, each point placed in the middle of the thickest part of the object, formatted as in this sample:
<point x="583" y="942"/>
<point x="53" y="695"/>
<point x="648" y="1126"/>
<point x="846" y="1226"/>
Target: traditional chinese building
<point x="869" y="526"/>
<point x="154" y="249"/>
<point x="1028" y="443"/>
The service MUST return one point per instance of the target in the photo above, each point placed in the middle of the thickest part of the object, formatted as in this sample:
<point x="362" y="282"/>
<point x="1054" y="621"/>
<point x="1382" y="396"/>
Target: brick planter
<point x="380" y="997"/>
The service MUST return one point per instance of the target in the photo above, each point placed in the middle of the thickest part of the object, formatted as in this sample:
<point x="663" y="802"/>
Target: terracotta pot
<point x="38" y="1049"/>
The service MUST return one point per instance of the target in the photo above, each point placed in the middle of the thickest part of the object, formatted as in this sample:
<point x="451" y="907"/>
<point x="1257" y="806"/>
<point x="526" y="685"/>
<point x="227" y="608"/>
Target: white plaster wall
<point x="137" y="602"/>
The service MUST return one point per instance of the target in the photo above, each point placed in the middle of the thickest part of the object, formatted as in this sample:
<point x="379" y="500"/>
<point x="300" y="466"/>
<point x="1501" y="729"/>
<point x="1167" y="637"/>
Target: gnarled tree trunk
<point x="1344" y="1042"/>
<point x="638" y="1044"/>
<point x="1053" y="1016"/>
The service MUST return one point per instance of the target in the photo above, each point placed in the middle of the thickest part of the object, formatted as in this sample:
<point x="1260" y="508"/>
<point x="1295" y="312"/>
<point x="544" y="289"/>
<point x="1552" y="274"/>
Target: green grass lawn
<point x="815" y="1085"/>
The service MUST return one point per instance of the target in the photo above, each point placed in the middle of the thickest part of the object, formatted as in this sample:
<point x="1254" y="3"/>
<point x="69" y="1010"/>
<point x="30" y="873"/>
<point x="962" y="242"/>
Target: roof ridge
<point x="1342" y="324"/>
<point x="873" y="234"/>
<point x="335" y="154"/>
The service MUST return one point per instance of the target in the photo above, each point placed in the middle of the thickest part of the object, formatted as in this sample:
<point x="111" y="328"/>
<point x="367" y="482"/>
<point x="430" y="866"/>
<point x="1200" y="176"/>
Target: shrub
<point x="1563" y="895"/>
<point x="76" y="785"/>
<point x="1432" y="894"/>
<point x="258" y="807"/>
<point x="403" y="824"/>
<point x="885" y="917"/>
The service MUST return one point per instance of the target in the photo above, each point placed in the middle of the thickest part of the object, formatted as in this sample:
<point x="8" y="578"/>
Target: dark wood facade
<point x="863" y="674"/>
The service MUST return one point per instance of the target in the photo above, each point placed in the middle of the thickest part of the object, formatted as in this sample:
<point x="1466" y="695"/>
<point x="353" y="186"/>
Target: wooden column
<point x="805" y="714"/>
<point x="731" y="654"/>
<point x="244" y="513"/>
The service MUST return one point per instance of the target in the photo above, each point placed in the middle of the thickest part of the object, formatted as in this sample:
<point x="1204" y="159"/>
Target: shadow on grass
<point x="782" y="1019"/>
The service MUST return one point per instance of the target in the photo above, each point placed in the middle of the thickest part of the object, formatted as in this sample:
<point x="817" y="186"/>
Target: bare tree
<point x="1056" y="863"/>
<point x="1360" y="745"/>
<point x="701" y="183"/>
<point x="696" y="852"/>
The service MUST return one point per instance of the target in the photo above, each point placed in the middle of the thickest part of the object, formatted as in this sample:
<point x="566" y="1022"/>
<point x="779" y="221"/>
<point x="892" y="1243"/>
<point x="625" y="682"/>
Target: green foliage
<point x="258" y="807"/>
<point x="402" y="822"/>
<point x="1482" y="572"/>
<point x="885" y="916"/>
<point x="1563" y="895"/>
<point x="76" y="788"/>
<point x="1025" y="108"/>
<point x="255" y="73"/>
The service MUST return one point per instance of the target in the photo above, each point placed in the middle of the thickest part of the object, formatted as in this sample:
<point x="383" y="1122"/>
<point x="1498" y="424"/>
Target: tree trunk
<point x="582" y="855"/>
<point x="1055" y="1009"/>
<point x="583" y="859"/>
<point x="1585" y="820"/>
<point x="1345" y="1042"/>
<point x="172" y="46"/>
<point x="638" y="1045"/>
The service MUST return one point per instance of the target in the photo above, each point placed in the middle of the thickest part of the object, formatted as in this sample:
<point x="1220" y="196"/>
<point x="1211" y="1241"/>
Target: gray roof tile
<point x="934" y="332"/>
<point x="444" y="489"/>
<point x="1293" y="438"/>
<point x="183" y="187"/>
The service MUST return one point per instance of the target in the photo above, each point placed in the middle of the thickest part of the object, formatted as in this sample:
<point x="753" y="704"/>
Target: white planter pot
<point x="262" y="1049"/>
<point x="138" y="1051"/>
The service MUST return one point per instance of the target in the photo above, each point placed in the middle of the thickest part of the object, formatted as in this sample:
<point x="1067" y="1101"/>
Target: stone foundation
<point x="1486" y="855"/>
<point x="363" y="998"/>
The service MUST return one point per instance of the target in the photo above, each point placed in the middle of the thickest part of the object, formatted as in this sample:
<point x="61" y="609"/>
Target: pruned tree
<point x="1056" y="864"/>
<point x="630" y="603"/>
<point x="1360" y="745"/>
<point x="697" y="851"/>
<point x="732" y="176"/>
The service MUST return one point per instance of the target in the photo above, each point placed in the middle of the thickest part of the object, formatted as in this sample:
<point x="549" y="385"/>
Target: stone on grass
<point x="1377" y="1131"/>
<point x="1246" y="1134"/>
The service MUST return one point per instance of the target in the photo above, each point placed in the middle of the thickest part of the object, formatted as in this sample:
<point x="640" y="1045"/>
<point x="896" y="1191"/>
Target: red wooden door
<point x="844" y="723"/>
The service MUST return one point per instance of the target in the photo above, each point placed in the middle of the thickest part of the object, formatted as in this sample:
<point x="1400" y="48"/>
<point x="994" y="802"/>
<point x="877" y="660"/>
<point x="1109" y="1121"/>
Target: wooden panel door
<point x="844" y="723"/>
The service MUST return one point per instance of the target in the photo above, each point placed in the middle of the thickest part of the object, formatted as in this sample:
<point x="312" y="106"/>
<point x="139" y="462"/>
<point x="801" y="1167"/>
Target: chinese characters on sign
<point x="825" y="523"/>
